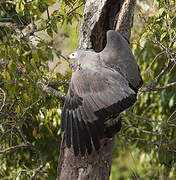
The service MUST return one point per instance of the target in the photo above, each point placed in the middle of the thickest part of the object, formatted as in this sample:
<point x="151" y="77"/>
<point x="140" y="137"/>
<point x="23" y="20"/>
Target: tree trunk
<point x="98" y="17"/>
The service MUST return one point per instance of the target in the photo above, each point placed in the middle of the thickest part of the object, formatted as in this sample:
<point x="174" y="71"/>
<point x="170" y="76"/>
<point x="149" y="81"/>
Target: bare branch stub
<point x="99" y="18"/>
<point x="125" y="18"/>
<point x="112" y="14"/>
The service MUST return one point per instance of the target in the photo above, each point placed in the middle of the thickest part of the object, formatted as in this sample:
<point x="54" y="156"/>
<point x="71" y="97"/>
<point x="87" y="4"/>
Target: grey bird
<point x="102" y="86"/>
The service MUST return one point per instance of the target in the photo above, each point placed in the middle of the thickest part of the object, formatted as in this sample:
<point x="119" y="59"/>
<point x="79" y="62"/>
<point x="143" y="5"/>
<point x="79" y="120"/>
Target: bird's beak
<point x="69" y="57"/>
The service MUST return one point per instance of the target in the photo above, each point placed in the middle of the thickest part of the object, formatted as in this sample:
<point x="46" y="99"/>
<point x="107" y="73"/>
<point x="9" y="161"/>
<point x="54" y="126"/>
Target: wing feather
<point x="68" y="128"/>
<point x="94" y="97"/>
<point x="86" y="137"/>
<point x="75" y="136"/>
<point x="94" y="135"/>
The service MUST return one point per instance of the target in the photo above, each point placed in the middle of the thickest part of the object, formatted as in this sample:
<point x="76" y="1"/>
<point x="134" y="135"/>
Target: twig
<point x="57" y="52"/>
<point x="140" y="139"/>
<point x="4" y="10"/>
<point x="32" y="177"/>
<point x="47" y="11"/>
<point x="171" y="115"/>
<point x="10" y="2"/>
<point x="72" y="6"/>
<point x="7" y="24"/>
<point x="12" y="148"/>
<point x="142" y="130"/>
<point x="164" y="87"/>
<point x="19" y="174"/>
<point x="51" y="90"/>
<point x="6" y="19"/>
<point x="12" y="26"/>
<point x="68" y="13"/>
<point x="157" y="79"/>
<point x="34" y="27"/>
<point x="30" y="106"/>
<point x="159" y="54"/>
<point x="4" y="99"/>
<point x="144" y="118"/>
<point x="167" y="7"/>
<point x="22" y="135"/>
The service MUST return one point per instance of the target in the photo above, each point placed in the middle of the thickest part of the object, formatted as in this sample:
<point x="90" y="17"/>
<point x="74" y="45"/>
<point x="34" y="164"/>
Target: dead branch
<point x="50" y="90"/>
<point x="12" y="148"/>
<point x="125" y="18"/>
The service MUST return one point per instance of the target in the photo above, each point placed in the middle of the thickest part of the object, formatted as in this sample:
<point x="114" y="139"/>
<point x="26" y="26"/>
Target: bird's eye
<point x="73" y="55"/>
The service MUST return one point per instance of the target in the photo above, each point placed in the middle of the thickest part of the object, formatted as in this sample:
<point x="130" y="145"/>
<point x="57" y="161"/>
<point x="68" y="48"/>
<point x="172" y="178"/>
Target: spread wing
<point x="117" y="55"/>
<point x="94" y="97"/>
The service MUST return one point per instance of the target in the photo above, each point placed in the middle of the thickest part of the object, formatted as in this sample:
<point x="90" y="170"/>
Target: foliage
<point x="149" y="127"/>
<point x="29" y="113"/>
<point x="31" y="96"/>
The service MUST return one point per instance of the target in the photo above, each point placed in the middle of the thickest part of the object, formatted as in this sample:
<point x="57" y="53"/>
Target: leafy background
<point x="35" y="38"/>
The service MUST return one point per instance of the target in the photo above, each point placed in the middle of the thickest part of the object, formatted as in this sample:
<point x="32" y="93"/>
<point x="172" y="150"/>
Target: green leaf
<point x="54" y="27"/>
<point x="6" y="75"/>
<point x="163" y="35"/>
<point x="171" y="102"/>
<point x="20" y="6"/>
<point x="12" y="66"/>
<point x="35" y="56"/>
<point x="43" y="24"/>
<point x="154" y="2"/>
<point x="50" y="32"/>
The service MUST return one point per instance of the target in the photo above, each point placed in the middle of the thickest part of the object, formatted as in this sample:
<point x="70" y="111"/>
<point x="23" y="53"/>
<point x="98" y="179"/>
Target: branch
<point x="13" y="27"/>
<point x="125" y="18"/>
<point x="22" y="135"/>
<point x="141" y="130"/>
<point x="4" y="99"/>
<point x="19" y="174"/>
<point x="33" y="28"/>
<point x="144" y="118"/>
<point x="37" y="171"/>
<point x="52" y="91"/>
<point x="56" y="51"/>
<point x="30" y="106"/>
<point x="72" y="10"/>
<point x="9" y="25"/>
<point x="157" y="79"/>
<point x="10" y="2"/>
<point x="139" y="139"/>
<point x="12" y="148"/>
<point x="159" y="54"/>
<point x="32" y="177"/>
<point x="161" y="88"/>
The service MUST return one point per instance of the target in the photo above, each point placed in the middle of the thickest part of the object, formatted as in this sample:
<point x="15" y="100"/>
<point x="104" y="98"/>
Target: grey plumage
<point x="102" y="86"/>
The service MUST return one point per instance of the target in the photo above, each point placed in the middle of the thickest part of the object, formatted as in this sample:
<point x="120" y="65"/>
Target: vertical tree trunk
<point x="98" y="17"/>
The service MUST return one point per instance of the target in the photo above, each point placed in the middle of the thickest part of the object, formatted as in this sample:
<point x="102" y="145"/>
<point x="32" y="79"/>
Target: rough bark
<point x="125" y="18"/>
<point x="98" y="17"/>
<point x="96" y="166"/>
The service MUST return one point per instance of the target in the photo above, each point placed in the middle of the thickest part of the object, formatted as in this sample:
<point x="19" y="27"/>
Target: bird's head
<point x="73" y="55"/>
